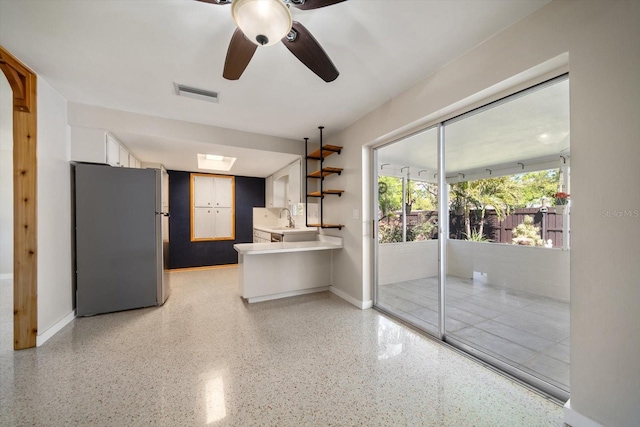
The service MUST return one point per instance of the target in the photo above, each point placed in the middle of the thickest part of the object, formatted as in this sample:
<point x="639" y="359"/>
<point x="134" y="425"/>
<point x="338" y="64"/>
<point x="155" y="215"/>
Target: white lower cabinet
<point x="223" y="222"/>
<point x="261" y="236"/>
<point x="212" y="223"/>
<point x="202" y="223"/>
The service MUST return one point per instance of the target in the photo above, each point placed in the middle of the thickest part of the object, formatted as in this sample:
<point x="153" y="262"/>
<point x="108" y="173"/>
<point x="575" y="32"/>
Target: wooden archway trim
<point x="25" y="256"/>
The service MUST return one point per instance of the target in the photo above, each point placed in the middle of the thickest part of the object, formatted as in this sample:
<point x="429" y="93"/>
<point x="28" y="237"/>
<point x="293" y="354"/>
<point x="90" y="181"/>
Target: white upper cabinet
<point x="98" y="146"/>
<point x="284" y="187"/>
<point x="295" y="180"/>
<point x="280" y="191"/>
<point x="212" y="207"/>
<point x="113" y="151"/>
<point x="202" y="191"/>
<point x="223" y="192"/>
<point x="124" y="157"/>
<point x="133" y="162"/>
<point x="212" y="191"/>
<point x="268" y="192"/>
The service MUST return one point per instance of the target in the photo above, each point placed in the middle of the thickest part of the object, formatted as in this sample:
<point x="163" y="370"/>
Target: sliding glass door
<point x="504" y="260"/>
<point x="407" y="229"/>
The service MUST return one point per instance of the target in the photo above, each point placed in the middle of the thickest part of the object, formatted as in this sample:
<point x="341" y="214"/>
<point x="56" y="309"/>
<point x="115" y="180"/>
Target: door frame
<point x="23" y="83"/>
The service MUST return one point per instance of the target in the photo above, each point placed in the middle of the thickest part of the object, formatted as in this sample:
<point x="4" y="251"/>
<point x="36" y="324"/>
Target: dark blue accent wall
<point x="249" y="193"/>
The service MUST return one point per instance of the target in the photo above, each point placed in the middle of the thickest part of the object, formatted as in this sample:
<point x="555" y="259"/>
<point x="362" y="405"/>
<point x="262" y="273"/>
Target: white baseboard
<point x="576" y="419"/>
<point x="287" y="294"/>
<point x="55" y="328"/>
<point x="363" y="305"/>
<point x="5" y="276"/>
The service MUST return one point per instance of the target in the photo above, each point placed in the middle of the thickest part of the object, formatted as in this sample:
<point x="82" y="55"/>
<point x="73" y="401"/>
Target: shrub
<point x="476" y="236"/>
<point x="527" y="233"/>
<point x="421" y="231"/>
<point x="390" y="230"/>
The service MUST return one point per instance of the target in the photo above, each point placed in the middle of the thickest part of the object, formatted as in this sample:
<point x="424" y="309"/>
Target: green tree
<point x="420" y="195"/>
<point x="389" y="196"/>
<point x="424" y="195"/>
<point x="535" y="185"/>
<point x="501" y="194"/>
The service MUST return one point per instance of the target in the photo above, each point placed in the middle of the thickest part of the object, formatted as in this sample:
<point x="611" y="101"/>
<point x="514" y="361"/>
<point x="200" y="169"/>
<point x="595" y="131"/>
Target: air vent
<point x="194" y="92"/>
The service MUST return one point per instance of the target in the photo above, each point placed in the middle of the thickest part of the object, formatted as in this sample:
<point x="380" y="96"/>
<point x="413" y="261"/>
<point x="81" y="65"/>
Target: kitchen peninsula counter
<point x="278" y="270"/>
<point x="282" y="247"/>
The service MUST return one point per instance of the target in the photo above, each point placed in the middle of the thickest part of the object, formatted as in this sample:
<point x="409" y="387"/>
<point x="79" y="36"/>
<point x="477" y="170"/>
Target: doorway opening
<point x="6" y="215"/>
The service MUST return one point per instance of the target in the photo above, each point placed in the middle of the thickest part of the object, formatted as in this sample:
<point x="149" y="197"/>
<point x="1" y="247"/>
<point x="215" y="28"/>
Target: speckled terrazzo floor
<point x="207" y="358"/>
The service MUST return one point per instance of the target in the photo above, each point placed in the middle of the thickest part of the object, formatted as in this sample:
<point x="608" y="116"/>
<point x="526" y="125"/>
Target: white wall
<point x="6" y="178"/>
<point x="536" y="270"/>
<point x="348" y="263"/>
<point x="54" y="209"/>
<point x="399" y="262"/>
<point x="601" y="41"/>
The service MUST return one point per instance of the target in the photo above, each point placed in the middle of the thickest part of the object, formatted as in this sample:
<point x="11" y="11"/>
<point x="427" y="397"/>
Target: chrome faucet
<point x="291" y="224"/>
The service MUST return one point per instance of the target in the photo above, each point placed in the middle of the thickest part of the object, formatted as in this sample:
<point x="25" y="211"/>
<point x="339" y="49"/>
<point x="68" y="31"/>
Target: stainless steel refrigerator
<point x="121" y="238"/>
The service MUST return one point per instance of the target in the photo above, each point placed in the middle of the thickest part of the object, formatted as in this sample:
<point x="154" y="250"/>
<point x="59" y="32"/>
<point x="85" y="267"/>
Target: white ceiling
<point x="172" y="154"/>
<point x="126" y="55"/>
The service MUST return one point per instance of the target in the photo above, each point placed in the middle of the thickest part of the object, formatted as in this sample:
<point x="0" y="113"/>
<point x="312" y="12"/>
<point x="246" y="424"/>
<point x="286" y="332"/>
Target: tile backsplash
<point x="270" y="217"/>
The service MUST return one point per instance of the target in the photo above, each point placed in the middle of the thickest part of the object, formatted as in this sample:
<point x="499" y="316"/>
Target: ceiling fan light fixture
<point x="263" y="22"/>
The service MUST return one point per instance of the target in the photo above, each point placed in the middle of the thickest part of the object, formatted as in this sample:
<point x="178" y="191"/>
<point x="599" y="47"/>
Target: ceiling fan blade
<point x="315" y="4"/>
<point x="220" y="2"/>
<point x="307" y="49"/>
<point x="239" y="54"/>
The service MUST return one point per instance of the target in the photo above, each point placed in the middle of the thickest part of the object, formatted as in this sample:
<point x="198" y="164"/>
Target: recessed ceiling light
<point x="552" y="138"/>
<point x="213" y="157"/>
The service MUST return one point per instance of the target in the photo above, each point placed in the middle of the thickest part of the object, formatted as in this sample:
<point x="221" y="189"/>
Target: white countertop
<point x="286" y="230"/>
<point x="324" y="243"/>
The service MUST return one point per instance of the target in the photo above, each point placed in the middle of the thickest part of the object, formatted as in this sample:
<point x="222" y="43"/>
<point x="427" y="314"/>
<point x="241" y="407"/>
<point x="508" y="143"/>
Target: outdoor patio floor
<point x="528" y="331"/>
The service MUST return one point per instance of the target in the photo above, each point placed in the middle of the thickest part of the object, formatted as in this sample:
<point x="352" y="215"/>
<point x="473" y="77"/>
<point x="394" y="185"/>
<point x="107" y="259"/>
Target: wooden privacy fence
<point x="494" y="229"/>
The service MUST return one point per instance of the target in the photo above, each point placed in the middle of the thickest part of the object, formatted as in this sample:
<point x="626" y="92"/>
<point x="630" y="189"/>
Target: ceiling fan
<point x="265" y="23"/>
